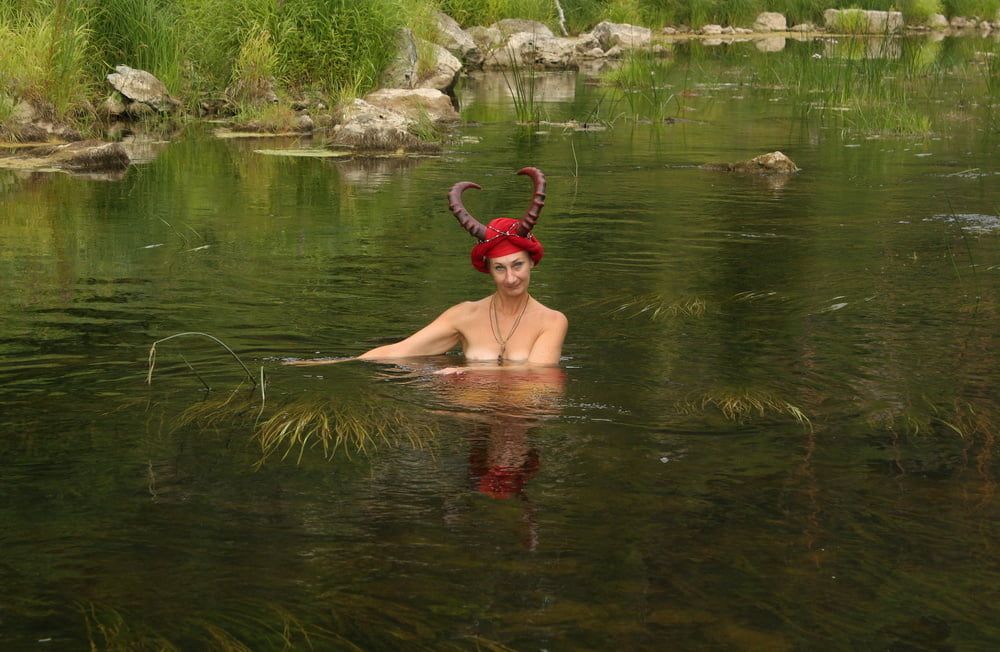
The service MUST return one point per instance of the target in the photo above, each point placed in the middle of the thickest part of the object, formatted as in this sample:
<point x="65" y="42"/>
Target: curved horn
<point x="530" y="218"/>
<point x="469" y="223"/>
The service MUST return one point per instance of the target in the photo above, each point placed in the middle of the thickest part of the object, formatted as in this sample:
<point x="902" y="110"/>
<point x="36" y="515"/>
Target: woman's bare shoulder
<point x="551" y="316"/>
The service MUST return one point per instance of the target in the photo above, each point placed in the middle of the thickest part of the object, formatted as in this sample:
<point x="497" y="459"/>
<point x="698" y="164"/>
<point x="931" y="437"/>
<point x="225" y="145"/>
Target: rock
<point x="486" y="38"/>
<point x="874" y="22"/>
<point x="304" y="123"/>
<point x="744" y="30"/>
<point x="770" y="21"/>
<point x="803" y="27"/>
<point x="443" y="70"/>
<point x="139" y="109"/>
<point x="368" y="128"/>
<point x="402" y="70"/>
<point x="669" y="31"/>
<point x="767" y="164"/>
<point x="457" y="41"/>
<point x="595" y="53"/>
<point x="614" y="53"/>
<point x="710" y="30"/>
<point x="712" y="41"/>
<point x="770" y="43"/>
<point x="86" y="156"/>
<point x="937" y="21"/>
<point x="113" y="106"/>
<point x="141" y="86"/>
<point x="300" y="105"/>
<point x="961" y="22"/>
<point x="509" y="26"/>
<point x="415" y="103"/>
<point x="563" y="52"/>
<point x="518" y="49"/>
<point x="728" y="30"/>
<point x="25" y="112"/>
<point x="619" y="35"/>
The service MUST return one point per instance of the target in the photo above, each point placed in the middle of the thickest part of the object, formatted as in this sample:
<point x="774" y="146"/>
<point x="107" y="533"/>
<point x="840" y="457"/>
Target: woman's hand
<point x="450" y="371"/>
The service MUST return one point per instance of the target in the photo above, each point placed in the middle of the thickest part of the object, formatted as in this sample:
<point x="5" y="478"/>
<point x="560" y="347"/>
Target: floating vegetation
<point x="746" y="405"/>
<point x="152" y="356"/>
<point x="653" y="306"/>
<point x="971" y="222"/>
<point x="305" y="153"/>
<point x="359" y="427"/>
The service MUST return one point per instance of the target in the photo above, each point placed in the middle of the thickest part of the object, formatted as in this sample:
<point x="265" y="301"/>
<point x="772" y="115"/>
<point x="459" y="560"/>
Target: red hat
<point x="504" y="235"/>
<point x="502" y="240"/>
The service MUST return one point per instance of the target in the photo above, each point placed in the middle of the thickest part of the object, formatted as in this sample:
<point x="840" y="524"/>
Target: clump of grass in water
<point x="743" y="406"/>
<point x="521" y="84"/>
<point x="654" y="306"/>
<point x="357" y="427"/>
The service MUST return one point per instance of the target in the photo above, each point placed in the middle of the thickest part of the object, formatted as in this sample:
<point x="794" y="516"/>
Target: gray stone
<point x="937" y="21"/>
<point x="803" y="27"/>
<point x="770" y="21"/>
<point x="875" y="22"/>
<point x="112" y="106"/>
<point x="669" y="31"/>
<point x="141" y="86"/>
<point x="620" y="35"/>
<point x="509" y="26"/>
<point x="710" y="30"/>
<point x="765" y="164"/>
<point x="402" y="70"/>
<point x="84" y="156"/>
<point x="415" y="104"/>
<point x="486" y="38"/>
<point x="368" y="128"/>
<point x="304" y="123"/>
<point x="139" y="110"/>
<point x="443" y="70"/>
<point x="457" y="41"/>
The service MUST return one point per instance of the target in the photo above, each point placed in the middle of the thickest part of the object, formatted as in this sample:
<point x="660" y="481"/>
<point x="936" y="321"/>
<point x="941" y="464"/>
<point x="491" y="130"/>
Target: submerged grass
<point x="641" y="80"/>
<point x="355" y="427"/>
<point x="743" y="406"/>
<point x="652" y="306"/>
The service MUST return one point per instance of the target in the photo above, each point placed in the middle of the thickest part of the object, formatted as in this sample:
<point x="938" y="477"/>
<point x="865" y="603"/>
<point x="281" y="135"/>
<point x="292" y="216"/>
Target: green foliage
<point x="138" y="33"/>
<point x="253" y="72"/>
<point x="641" y="79"/>
<point x="919" y="12"/>
<point x="486" y="12"/>
<point x="44" y="58"/>
<point x="983" y="9"/>
<point x="851" y="21"/>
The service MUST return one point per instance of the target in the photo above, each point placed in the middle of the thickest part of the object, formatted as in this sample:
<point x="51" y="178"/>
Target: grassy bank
<point x="57" y="52"/>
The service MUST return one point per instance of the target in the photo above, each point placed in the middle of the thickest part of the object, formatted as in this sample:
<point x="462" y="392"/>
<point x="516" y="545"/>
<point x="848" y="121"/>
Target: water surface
<point x="774" y="426"/>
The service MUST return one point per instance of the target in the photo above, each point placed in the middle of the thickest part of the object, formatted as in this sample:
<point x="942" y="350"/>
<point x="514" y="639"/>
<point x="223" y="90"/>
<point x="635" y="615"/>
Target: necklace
<point x="495" y="327"/>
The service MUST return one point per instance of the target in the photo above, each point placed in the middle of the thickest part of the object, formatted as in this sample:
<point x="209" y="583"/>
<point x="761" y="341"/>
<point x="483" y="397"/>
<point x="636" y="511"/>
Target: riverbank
<point x="413" y="109"/>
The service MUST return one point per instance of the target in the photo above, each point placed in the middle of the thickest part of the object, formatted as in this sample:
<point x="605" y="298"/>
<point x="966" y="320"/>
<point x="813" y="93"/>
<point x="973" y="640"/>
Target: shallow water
<point x="774" y="427"/>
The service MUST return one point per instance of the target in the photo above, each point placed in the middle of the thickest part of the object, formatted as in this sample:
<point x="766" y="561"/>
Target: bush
<point x="919" y="12"/>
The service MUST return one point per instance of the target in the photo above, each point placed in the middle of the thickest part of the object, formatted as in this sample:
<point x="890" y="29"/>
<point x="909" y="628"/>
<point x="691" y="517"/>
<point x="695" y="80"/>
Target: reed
<point x="152" y="353"/>
<point x="641" y="82"/>
<point x="520" y="82"/>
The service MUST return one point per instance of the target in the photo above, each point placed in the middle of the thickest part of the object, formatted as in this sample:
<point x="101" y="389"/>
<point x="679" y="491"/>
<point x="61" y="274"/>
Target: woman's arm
<point x="440" y="336"/>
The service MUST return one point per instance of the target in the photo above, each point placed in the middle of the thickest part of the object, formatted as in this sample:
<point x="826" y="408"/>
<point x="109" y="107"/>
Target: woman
<point x="508" y="327"/>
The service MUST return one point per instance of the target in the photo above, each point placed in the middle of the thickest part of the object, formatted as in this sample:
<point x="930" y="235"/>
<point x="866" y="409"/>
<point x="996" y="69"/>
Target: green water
<point x="796" y="451"/>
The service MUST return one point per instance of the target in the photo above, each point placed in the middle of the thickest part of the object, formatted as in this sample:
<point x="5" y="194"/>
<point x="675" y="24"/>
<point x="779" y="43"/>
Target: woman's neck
<point x="511" y="305"/>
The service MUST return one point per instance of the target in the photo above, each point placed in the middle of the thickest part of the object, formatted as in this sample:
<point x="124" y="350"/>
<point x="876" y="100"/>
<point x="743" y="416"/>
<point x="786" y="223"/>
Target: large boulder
<point x="141" y="86"/>
<point x="509" y="26"/>
<point x="869" y="22"/>
<point x="937" y="21"/>
<point x="402" y="70"/>
<point x="487" y="38"/>
<point x="415" y="104"/>
<point x="516" y="50"/>
<point x="442" y="70"/>
<point x="457" y="41"/>
<point x="371" y="129"/>
<point x="766" y="164"/>
<point x="84" y="156"/>
<point x="770" y="21"/>
<point x="624" y="36"/>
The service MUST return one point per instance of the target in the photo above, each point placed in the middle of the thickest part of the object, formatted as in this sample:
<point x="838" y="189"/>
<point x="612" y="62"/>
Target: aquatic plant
<point x="641" y="81"/>
<point x="520" y="82"/>
<point x="152" y="355"/>
<point x="652" y="306"/>
<point x="983" y="9"/>
<point x="354" y="427"/>
<point x="742" y="406"/>
<point x="485" y="12"/>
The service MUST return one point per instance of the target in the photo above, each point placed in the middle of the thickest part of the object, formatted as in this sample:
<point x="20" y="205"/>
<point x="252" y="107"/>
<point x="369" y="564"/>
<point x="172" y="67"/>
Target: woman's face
<point x="511" y="273"/>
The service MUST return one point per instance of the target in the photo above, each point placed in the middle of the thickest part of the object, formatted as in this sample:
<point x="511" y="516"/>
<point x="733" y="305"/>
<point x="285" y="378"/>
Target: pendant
<point x="500" y="357"/>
